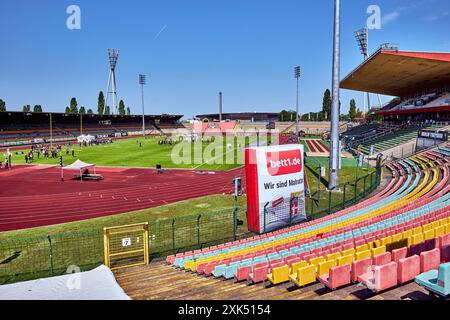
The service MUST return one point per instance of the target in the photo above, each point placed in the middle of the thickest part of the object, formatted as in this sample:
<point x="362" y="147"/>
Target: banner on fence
<point x="275" y="187"/>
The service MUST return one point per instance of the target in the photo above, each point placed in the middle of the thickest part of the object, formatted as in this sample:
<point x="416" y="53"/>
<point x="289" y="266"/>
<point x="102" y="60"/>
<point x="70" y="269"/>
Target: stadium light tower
<point x="297" y="76"/>
<point x="362" y="38"/>
<point x="142" y="82"/>
<point x="333" y="175"/>
<point x="113" y="55"/>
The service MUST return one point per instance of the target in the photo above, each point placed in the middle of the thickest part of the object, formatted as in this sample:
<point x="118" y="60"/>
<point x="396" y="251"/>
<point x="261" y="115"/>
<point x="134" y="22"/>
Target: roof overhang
<point x="414" y="111"/>
<point x="400" y="73"/>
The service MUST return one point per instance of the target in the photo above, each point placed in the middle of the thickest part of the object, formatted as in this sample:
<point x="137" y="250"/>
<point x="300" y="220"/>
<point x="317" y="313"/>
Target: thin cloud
<point x="390" y="17"/>
<point x="437" y="16"/>
<point x="160" y="31"/>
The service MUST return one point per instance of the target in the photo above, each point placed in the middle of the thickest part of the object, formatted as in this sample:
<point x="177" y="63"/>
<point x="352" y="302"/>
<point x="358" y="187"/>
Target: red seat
<point x="242" y="273"/>
<point x="360" y="267"/>
<point x="398" y="254"/>
<point x="258" y="275"/>
<point x="275" y="261"/>
<point x="382" y="259"/>
<point x="382" y="277"/>
<point x="338" y="277"/>
<point x="444" y="240"/>
<point x="408" y="269"/>
<point x="210" y="267"/>
<point x="430" y="260"/>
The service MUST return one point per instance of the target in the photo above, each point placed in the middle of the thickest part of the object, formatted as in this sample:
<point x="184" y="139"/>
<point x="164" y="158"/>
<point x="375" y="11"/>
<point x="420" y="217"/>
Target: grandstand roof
<point x="400" y="73"/>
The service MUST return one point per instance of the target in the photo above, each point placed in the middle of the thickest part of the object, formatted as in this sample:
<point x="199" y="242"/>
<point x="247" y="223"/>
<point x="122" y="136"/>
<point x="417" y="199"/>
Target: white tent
<point x="77" y="165"/>
<point x="97" y="284"/>
<point x="85" y="138"/>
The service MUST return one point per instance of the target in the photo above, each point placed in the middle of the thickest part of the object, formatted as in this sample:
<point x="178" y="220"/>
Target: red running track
<point x="33" y="196"/>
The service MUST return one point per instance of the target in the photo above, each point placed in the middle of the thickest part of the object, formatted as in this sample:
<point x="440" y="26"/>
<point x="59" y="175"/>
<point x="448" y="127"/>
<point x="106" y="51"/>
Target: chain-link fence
<point x="34" y="257"/>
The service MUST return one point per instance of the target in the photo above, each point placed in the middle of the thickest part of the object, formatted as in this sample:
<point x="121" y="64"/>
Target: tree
<point x="128" y="111"/>
<point x="121" y="108"/>
<point x="67" y="110"/>
<point x="26" y="108"/>
<point x="37" y="108"/>
<point x="326" y="104"/>
<point x="82" y="110"/>
<point x="2" y="106"/>
<point x="101" y="103"/>
<point x="107" y="111"/>
<point x="352" y="111"/>
<point x="90" y="111"/>
<point x="73" y="106"/>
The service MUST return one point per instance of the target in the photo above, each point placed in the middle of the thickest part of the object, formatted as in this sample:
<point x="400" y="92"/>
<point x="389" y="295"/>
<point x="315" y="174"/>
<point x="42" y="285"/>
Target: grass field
<point x="139" y="152"/>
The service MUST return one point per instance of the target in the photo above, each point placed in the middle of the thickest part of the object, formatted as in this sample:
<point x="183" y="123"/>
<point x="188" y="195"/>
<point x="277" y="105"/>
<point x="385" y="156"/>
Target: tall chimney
<point x="220" y="106"/>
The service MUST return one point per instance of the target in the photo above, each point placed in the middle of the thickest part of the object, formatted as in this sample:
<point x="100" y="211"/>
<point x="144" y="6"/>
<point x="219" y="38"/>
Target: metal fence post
<point x="343" y="197"/>
<point x="364" y="194"/>
<point x="173" y="234"/>
<point x="329" y="202"/>
<point x="50" y="252"/>
<point x="198" y="230"/>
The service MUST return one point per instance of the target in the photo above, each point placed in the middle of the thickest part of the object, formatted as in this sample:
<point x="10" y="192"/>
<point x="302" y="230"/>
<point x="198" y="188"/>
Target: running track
<point x="32" y="196"/>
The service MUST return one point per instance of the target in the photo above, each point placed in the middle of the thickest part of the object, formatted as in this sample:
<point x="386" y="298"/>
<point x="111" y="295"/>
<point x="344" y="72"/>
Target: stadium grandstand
<point x="19" y="128"/>
<point x="418" y="80"/>
<point x="383" y="244"/>
<point x="240" y="116"/>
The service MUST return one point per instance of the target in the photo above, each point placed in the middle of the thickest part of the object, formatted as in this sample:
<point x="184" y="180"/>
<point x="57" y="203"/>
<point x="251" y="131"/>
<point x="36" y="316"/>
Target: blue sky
<point x="191" y="50"/>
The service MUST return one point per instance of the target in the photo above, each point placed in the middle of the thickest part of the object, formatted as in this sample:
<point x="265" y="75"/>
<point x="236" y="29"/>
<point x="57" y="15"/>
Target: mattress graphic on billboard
<point x="275" y="187"/>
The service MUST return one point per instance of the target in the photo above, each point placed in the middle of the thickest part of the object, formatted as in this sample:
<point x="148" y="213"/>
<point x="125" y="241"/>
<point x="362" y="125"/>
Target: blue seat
<point x="436" y="281"/>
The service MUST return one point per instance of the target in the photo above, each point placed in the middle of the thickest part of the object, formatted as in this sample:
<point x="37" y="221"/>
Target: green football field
<point x="140" y="152"/>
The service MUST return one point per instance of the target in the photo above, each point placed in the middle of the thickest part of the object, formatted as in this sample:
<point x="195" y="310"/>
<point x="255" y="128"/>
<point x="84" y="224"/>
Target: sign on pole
<point x="275" y="187"/>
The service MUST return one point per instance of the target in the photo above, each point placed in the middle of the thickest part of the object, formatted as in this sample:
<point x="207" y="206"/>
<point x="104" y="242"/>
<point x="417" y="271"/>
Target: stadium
<point x="235" y="205"/>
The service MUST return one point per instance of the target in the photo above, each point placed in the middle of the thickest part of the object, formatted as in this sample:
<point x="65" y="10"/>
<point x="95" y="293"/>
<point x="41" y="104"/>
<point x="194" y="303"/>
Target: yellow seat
<point x="435" y="224"/>
<point x="397" y="237"/>
<point x="348" y="252"/>
<point x="379" y="250"/>
<point x="304" y="276"/>
<point x="406" y="234"/>
<point x="279" y="275"/>
<point x="333" y="256"/>
<point x="363" y="255"/>
<point x="324" y="267"/>
<point x="417" y="238"/>
<point x="315" y="261"/>
<point x="386" y="240"/>
<point x="427" y="227"/>
<point x="447" y="228"/>
<point x="348" y="259"/>
<point x="439" y="231"/>
<point x="416" y="230"/>
<point x="377" y="243"/>
<point x="361" y="248"/>
<point x="429" y="234"/>
<point x="296" y="266"/>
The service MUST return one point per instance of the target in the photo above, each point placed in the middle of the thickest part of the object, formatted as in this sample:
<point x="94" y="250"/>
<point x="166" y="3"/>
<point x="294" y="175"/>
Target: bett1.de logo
<point x="284" y="162"/>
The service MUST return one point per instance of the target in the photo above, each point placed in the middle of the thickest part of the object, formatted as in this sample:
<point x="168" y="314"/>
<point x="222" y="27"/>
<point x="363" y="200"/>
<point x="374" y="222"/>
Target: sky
<point x="191" y="50"/>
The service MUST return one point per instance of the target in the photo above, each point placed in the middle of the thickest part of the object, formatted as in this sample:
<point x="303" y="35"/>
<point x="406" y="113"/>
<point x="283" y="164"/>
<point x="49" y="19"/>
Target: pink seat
<point x="210" y="267"/>
<point x="398" y="254"/>
<point x="444" y="240"/>
<point x="384" y="277"/>
<point x="445" y="253"/>
<point x="291" y="261"/>
<point x="338" y="277"/>
<point x="258" y="275"/>
<point x="430" y="260"/>
<point x="242" y="273"/>
<point x="382" y="259"/>
<point x="408" y="269"/>
<point x="360" y="267"/>
<point x="275" y="261"/>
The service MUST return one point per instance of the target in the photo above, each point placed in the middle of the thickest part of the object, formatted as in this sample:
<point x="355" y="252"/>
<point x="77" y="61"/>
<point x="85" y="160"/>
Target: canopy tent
<point x="77" y="165"/>
<point x="97" y="284"/>
<point x="85" y="138"/>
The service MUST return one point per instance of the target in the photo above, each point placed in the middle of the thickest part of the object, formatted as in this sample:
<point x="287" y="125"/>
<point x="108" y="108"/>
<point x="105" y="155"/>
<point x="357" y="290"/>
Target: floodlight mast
<point x="362" y="38"/>
<point x="113" y="55"/>
<point x="142" y="82"/>
<point x="333" y="174"/>
<point x="297" y="76"/>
